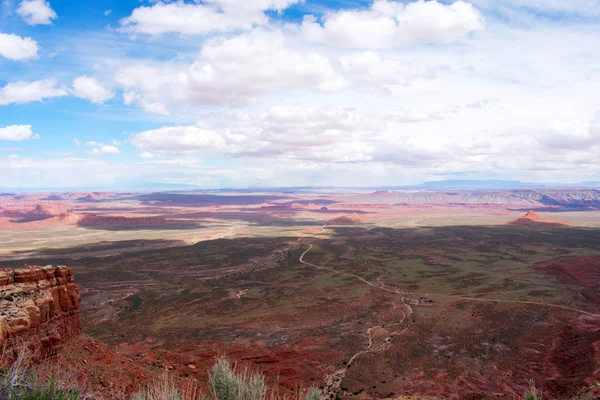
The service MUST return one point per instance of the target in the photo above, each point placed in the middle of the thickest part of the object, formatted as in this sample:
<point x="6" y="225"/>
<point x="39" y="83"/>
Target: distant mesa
<point x="37" y="212"/>
<point x="381" y="193"/>
<point x="86" y="198"/>
<point x="43" y="209"/>
<point x="101" y="220"/>
<point x="54" y="198"/>
<point x="91" y="196"/>
<point x="533" y="219"/>
<point x="345" y="220"/>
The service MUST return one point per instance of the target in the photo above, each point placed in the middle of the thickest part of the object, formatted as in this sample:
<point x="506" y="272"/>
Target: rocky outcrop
<point x="39" y="309"/>
<point x="533" y="219"/>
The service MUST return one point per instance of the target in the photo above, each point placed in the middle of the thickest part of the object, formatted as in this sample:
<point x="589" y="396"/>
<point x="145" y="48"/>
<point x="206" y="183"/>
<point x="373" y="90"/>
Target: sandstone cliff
<point x="39" y="308"/>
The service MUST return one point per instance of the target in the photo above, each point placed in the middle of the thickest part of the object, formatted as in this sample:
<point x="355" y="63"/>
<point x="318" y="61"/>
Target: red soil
<point x="577" y="271"/>
<point x="98" y="370"/>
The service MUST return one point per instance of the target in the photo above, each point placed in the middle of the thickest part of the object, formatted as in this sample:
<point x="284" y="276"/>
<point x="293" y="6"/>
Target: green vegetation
<point x="532" y="393"/>
<point x="224" y="384"/>
<point x="163" y="388"/>
<point x="18" y="383"/>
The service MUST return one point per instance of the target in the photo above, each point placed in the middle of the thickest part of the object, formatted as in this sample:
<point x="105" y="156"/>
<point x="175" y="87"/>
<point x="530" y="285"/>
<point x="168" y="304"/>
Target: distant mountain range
<point x="452" y="184"/>
<point x="499" y="184"/>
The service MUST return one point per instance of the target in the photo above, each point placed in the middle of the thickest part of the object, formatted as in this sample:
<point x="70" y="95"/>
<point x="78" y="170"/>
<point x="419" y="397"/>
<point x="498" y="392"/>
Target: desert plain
<point x="450" y="294"/>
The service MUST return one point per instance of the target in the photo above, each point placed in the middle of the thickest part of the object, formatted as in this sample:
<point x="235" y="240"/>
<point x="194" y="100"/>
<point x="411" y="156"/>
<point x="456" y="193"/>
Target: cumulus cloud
<point x="17" y="133"/>
<point x="102" y="149"/>
<point x="575" y="137"/>
<point x="389" y="24"/>
<point x="373" y="71"/>
<point x="26" y="92"/>
<point x="206" y="17"/>
<point x="231" y="71"/>
<point x="17" y="48"/>
<point x="301" y="133"/>
<point x="36" y="12"/>
<point x="517" y="101"/>
<point x="91" y="89"/>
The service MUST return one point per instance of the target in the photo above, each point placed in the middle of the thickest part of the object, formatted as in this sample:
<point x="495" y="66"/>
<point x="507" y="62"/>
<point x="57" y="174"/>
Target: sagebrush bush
<point x="18" y="383"/>
<point x="224" y="383"/>
<point x="532" y="393"/>
<point x="162" y="388"/>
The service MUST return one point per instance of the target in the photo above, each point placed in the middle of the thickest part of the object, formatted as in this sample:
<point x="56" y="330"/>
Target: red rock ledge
<point x="39" y="309"/>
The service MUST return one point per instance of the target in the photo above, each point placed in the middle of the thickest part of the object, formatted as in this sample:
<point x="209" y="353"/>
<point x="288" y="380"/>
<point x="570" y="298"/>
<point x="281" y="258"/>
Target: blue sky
<point x="232" y="93"/>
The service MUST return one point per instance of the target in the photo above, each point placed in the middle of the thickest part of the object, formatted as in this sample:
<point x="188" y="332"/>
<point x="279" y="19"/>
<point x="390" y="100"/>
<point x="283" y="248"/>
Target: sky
<point x="120" y="94"/>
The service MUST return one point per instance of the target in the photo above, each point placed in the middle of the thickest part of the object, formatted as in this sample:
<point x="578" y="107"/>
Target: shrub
<point x="18" y="383"/>
<point x="532" y="393"/>
<point x="224" y="383"/>
<point x="162" y="388"/>
<point x="314" y="394"/>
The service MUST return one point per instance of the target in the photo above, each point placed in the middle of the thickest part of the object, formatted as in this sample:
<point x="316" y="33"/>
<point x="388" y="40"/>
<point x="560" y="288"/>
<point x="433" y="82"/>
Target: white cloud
<point x="584" y="8"/>
<point x="154" y="108"/>
<point x="91" y="89"/>
<point x="515" y="101"/>
<point x="107" y="12"/>
<point x="572" y="137"/>
<point x="389" y="24"/>
<point x="230" y="71"/>
<point x="180" y="139"/>
<point x="104" y="149"/>
<point x="17" y="133"/>
<point x="26" y="92"/>
<point x="77" y="142"/>
<point x="369" y="69"/>
<point x="17" y="48"/>
<point x="206" y="17"/>
<point x="36" y="12"/>
<point x="326" y="134"/>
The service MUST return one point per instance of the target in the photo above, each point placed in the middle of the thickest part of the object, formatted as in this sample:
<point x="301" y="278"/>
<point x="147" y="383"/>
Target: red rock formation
<point x="108" y="220"/>
<point x="381" y="193"/>
<point x="534" y="219"/>
<point x="39" y="309"/>
<point x="345" y="220"/>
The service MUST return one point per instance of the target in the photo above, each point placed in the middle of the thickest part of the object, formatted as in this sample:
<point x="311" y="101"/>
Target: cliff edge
<point x="39" y="309"/>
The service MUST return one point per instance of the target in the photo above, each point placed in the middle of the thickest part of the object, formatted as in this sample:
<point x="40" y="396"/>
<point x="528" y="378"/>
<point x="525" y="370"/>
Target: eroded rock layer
<point x="39" y="309"/>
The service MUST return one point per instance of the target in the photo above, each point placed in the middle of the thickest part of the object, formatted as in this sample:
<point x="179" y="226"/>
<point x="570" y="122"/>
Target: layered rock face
<point x="39" y="309"/>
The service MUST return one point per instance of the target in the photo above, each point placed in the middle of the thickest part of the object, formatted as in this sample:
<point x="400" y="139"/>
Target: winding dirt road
<point x="333" y="381"/>
<point x="399" y="291"/>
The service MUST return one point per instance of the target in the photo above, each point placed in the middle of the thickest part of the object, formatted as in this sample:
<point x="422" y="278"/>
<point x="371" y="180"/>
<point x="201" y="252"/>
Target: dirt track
<point x="400" y="291"/>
